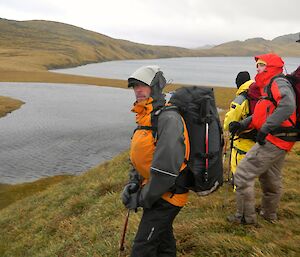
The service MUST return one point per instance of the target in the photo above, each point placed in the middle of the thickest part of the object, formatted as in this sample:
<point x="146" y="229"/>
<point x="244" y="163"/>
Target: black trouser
<point x="155" y="237"/>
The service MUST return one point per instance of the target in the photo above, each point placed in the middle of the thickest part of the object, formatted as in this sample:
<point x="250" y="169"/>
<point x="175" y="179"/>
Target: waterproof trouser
<point x="236" y="157"/>
<point x="155" y="237"/>
<point x="240" y="147"/>
<point x="264" y="162"/>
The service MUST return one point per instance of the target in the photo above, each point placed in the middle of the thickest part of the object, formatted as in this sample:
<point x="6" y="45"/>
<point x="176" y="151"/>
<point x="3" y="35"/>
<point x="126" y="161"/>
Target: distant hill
<point x="205" y="47"/>
<point x="284" y="45"/>
<point x="39" y="45"/>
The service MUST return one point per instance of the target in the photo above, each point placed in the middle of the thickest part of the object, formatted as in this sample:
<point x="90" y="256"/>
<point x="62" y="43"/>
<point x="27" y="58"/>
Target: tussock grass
<point x="12" y="193"/>
<point x="83" y="216"/>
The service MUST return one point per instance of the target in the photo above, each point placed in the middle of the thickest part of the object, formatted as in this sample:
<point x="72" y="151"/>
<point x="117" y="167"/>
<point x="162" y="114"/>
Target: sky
<point x="185" y="23"/>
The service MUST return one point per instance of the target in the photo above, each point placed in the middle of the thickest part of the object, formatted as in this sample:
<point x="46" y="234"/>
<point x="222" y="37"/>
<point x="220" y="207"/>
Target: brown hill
<point x="284" y="45"/>
<point x="40" y="45"/>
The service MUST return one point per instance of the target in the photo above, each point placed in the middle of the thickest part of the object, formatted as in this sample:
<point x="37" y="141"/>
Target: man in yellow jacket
<point x="240" y="109"/>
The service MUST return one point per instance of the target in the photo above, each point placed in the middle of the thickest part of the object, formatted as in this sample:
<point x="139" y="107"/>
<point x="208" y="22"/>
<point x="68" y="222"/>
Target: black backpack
<point x="204" y="172"/>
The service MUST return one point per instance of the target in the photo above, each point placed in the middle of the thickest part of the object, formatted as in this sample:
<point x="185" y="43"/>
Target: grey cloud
<point x="32" y="7"/>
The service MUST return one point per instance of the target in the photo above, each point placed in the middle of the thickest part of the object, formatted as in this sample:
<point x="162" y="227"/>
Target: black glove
<point x="234" y="127"/>
<point x="133" y="202"/>
<point x="129" y="189"/>
<point x="261" y="138"/>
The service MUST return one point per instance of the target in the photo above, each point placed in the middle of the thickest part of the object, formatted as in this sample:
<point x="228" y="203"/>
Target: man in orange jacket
<point x="266" y="157"/>
<point x="159" y="148"/>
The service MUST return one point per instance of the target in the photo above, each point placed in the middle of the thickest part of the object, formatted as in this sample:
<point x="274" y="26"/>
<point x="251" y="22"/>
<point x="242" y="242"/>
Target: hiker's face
<point x="260" y="68"/>
<point x="142" y="92"/>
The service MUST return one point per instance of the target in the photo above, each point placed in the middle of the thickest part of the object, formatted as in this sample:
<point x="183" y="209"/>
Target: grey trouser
<point x="264" y="162"/>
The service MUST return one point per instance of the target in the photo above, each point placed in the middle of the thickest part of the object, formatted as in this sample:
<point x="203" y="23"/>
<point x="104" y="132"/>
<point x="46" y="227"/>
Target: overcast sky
<point x="187" y="23"/>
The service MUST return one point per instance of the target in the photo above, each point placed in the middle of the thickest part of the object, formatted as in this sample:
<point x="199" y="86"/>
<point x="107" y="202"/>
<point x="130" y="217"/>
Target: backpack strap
<point x="270" y="94"/>
<point x="154" y="121"/>
<point x="156" y="115"/>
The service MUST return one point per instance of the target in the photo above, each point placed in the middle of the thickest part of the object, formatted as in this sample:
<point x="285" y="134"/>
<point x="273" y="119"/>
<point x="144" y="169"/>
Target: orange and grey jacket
<point x="267" y="117"/>
<point x="158" y="162"/>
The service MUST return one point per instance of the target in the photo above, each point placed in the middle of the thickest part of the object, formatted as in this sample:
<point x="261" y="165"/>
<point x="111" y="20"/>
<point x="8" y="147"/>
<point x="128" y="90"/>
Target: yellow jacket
<point x="239" y="110"/>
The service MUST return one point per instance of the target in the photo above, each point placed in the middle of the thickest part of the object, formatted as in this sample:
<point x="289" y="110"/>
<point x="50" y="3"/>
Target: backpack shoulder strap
<point x="156" y="116"/>
<point x="269" y="91"/>
<point x="245" y="94"/>
<point x="270" y="94"/>
<point x="154" y="121"/>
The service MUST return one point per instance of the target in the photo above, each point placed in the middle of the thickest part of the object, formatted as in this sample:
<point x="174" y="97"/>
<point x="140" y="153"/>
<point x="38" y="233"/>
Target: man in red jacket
<point x="265" y="160"/>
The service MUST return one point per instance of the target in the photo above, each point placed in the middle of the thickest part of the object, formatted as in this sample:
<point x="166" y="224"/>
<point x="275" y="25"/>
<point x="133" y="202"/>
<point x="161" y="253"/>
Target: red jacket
<point x="267" y="117"/>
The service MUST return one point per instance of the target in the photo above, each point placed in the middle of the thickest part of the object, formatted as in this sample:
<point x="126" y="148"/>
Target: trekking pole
<point x="224" y="149"/>
<point x="224" y="159"/>
<point x="230" y="155"/>
<point x="206" y="138"/>
<point x="121" y="249"/>
<point x="206" y="151"/>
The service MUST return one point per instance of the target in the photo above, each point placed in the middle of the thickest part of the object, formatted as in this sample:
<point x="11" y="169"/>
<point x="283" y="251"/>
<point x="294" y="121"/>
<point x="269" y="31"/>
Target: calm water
<point x="62" y="129"/>
<point x="213" y="71"/>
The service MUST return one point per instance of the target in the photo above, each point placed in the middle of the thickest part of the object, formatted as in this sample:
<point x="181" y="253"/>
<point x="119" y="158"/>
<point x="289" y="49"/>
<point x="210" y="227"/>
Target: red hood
<point x="274" y="67"/>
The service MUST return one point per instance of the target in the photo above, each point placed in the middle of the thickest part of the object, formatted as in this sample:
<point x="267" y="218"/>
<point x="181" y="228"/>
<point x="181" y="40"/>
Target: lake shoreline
<point x="62" y="129"/>
<point x="8" y="105"/>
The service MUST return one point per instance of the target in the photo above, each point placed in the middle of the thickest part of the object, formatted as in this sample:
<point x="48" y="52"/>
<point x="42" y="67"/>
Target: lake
<point x="62" y="129"/>
<point x="212" y="71"/>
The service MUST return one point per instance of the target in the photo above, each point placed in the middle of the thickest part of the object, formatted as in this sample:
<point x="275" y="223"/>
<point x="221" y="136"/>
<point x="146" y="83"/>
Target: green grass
<point x="83" y="216"/>
<point x="12" y="193"/>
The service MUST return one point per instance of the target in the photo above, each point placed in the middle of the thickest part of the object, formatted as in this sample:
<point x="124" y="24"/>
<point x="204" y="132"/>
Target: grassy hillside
<point x="41" y="45"/>
<point x="83" y="216"/>
<point x="35" y="46"/>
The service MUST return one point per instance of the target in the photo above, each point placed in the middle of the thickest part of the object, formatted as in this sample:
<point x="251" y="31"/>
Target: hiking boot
<point x="241" y="220"/>
<point x="271" y="220"/>
<point x="236" y="219"/>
